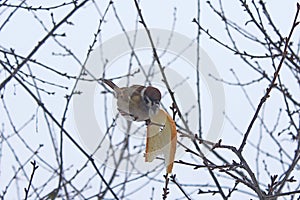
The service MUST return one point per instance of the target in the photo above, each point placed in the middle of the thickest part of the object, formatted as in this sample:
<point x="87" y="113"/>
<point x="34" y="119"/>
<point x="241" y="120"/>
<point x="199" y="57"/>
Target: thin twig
<point x="41" y="42"/>
<point x="34" y="168"/>
<point x="166" y="187"/>
<point x="273" y="84"/>
<point x="69" y="136"/>
<point x="173" y="179"/>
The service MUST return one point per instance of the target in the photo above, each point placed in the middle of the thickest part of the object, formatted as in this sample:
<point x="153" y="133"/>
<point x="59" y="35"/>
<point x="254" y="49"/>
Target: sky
<point x="85" y="118"/>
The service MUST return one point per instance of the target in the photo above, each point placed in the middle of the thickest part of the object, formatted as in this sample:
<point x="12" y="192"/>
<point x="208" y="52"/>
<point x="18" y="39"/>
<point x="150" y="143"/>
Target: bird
<point x="136" y="102"/>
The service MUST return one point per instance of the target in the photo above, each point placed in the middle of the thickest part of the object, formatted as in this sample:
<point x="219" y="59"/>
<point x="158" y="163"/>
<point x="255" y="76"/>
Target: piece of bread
<point x="161" y="139"/>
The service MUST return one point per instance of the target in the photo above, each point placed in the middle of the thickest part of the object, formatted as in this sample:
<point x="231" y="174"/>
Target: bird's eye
<point x="147" y="100"/>
<point x="156" y="102"/>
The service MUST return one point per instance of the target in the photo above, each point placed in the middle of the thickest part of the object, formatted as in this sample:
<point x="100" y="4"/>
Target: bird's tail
<point x="110" y="84"/>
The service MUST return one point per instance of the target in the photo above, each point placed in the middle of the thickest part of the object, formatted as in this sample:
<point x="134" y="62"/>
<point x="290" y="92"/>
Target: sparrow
<point x="137" y="102"/>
